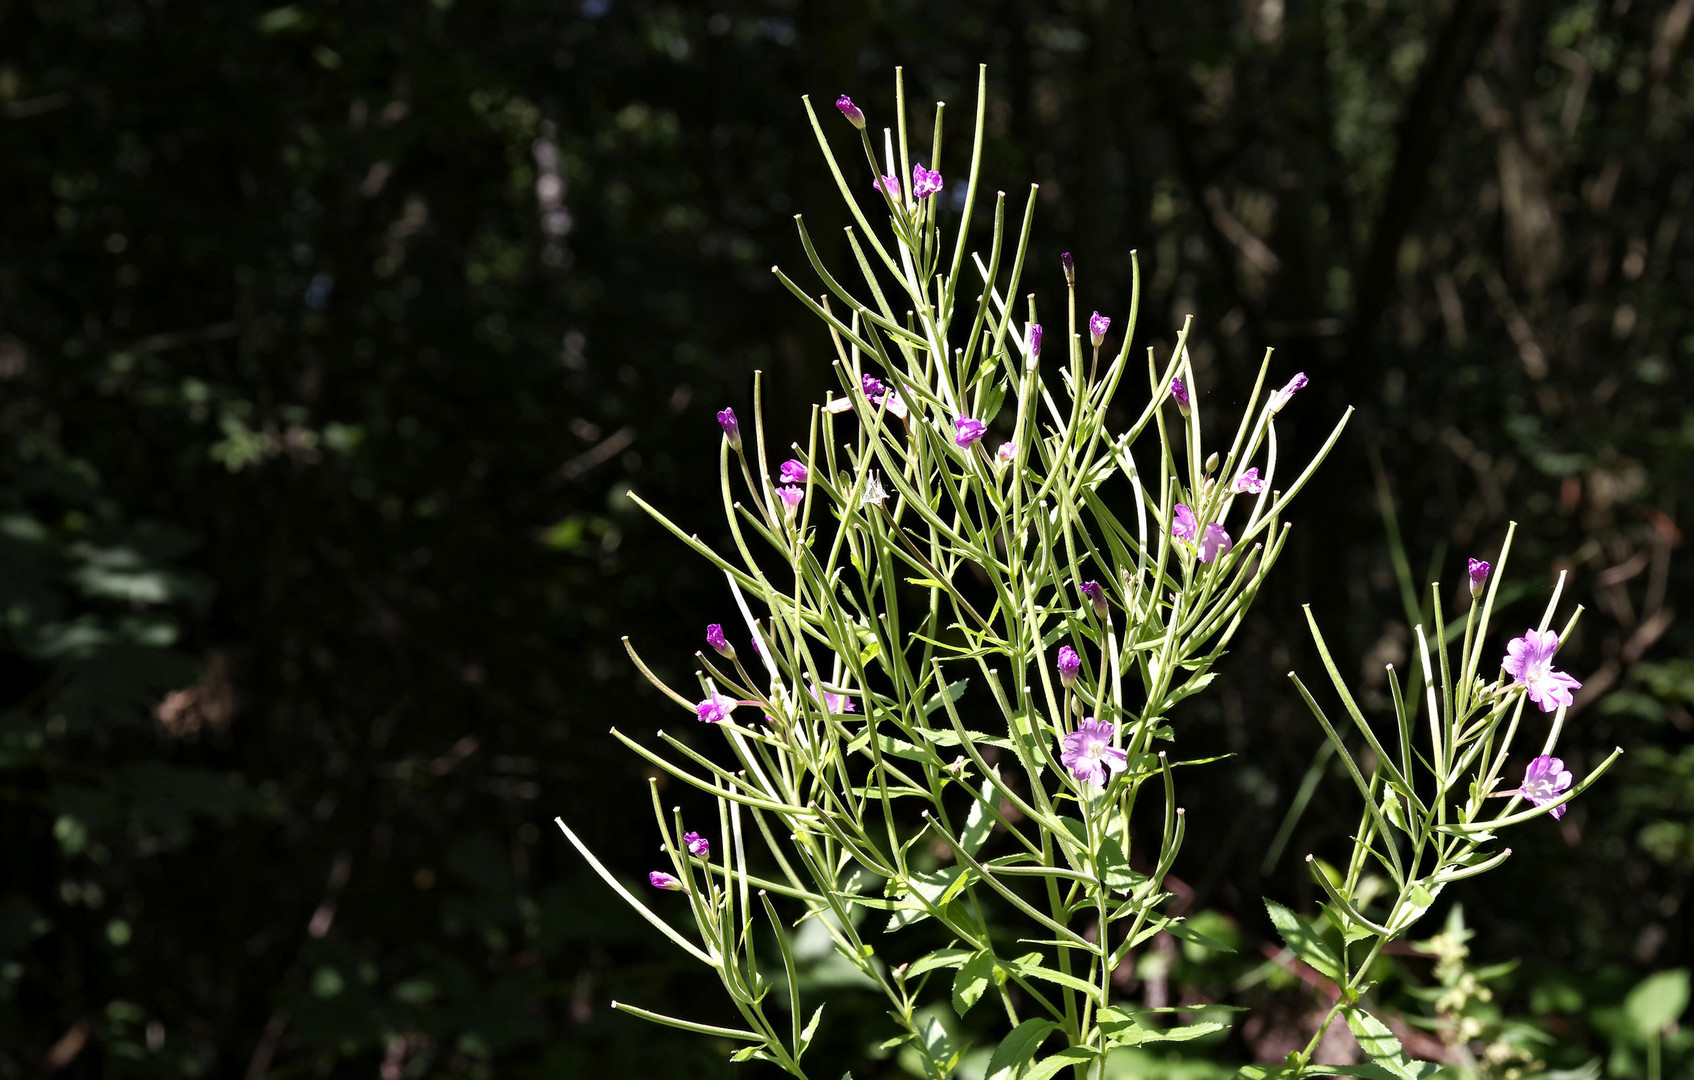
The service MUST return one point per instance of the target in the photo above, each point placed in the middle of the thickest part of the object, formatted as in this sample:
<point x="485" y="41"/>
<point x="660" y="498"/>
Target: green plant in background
<point x="902" y="561"/>
<point x="1427" y="818"/>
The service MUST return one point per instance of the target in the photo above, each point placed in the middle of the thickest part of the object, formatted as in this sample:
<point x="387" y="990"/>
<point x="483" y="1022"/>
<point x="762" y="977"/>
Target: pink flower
<point x="1096" y="596"/>
<point x="1034" y="342"/>
<point x="1216" y="542"/>
<point x="731" y="430"/>
<point x="1183" y="524"/>
<point x="925" y="182"/>
<point x="836" y="703"/>
<point x="1089" y="754"/>
<point x="1544" y="781"/>
<point x="715" y="709"/>
<point x="1249" y="482"/>
<point x="969" y="431"/>
<point x="697" y="844"/>
<point x="1098" y="324"/>
<point x="791" y="497"/>
<point x="1069" y="664"/>
<point x="888" y="185"/>
<point x="850" y="111"/>
<point x="1007" y="451"/>
<point x="1529" y="660"/>
<point x="715" y="638"/>
<point x="793" y="472"/>
<point x="661" y="880"/>
<point x="1180" y="392"/>
<point x="1478" y="575"/>
<point x="1281" y="397"/>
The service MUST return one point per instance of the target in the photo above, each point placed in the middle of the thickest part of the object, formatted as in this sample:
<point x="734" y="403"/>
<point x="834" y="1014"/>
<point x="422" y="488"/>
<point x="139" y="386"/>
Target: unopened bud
<point x="850" y="111"/>
<point x="1212" y="462"/>
<point x="1070" y="268"/>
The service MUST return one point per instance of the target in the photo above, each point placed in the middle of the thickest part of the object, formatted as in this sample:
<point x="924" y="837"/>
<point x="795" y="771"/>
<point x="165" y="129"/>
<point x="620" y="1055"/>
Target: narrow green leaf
<point x="1299" y="937"/>
<point x="1018" y="1048"/>
<point x="1378" y="1043"/>
<point x="1049" y="1067"/>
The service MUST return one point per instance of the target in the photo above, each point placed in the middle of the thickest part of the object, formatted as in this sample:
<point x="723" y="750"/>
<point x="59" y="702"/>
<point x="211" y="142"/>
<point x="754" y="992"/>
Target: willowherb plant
<point x="968" y="628"/>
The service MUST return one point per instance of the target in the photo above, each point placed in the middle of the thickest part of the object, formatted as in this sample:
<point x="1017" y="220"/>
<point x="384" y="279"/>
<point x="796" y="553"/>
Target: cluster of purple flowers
<point x="1212" y="541"/>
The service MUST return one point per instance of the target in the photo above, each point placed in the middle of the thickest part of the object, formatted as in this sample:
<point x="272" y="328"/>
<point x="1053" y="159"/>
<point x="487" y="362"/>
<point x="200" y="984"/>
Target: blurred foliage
<point x="331" y="336"/>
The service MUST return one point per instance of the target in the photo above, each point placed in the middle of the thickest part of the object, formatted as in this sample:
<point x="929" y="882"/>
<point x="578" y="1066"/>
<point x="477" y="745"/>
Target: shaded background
<point x="332" y="334"/>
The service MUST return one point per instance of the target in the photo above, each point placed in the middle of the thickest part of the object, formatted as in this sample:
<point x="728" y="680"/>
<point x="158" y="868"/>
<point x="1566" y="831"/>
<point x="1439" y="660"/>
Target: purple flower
<point x="1281" y="397"/>
<point x="1069" y="264"/>
<point x="793" y="472"/>
<point x="791" y="496"/>
<point x="1034" y="342"/>
<point x="925" y="182"/>
<point x="1529" y="660"/>
<point x="850" y="111"/>
<point x="661" y="880"/>
<point x="731" y="430"/>
<point x="715" y="638"/>
<point x="1096" y="597"/>
<point x="1545" y="780"/>
<point x="1180" y="393"/>
<point x="1089" y="754"/>
<point x="1007" y="451"/>
<point x="1249" y="482"/>
<point x="1216" y="542"/>
<point x="1069" y="664"/>
<point x="888" y="185"/>
<point x="1098" y="324"/>
<point x="1183" y="524"/>
<point x="836" y="703"/>
<point x="1478" y="575"/>
<point x="969" y="431"/>
<point x="873" y="388"/>
<point x="758" y="650"/>
<point x="697" y="844"/>
<point x="715" y="709"/>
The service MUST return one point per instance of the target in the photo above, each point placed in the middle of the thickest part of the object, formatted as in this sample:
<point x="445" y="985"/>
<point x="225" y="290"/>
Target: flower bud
<point x="1212" y="462"/>
<point x="1034" y="345"/>
<point x="793" y="471"/>
<point x="1096" y="597"/>
<point x="850" y="111"/>
<point x="1069" y="663"/>
<point x="716" y="639"/>
<point x="731" y="430"/>
<point x="1179" y="391"/>
<point x="1098" y="324"/>
<point x="661" y="880"/>
<point x="1069" y="264"/>
<point x="697" y="844"/>
<point x="1478" y="577"/>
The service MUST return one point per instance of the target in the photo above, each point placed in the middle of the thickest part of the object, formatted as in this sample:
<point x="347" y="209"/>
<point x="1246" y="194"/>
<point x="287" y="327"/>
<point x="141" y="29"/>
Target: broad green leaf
<point x="1114" y="868"/>
<point x="1657" y="1001"/>
<point x="1018" y="1049"/>
<point x="1378" y="1043"/>
<point x="1300" y="938"/>
<point x="1067" y="1058"/>
<point x="940" y="958"/>
<point x="972" y="979"/>
<point x="978" y="823"/>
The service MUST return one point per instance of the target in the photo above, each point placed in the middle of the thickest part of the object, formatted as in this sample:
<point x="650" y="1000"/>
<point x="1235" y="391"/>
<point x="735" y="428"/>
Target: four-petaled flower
<point x="836" y="703"/>
<point x="925" y="182"/>
<point x="888" y="185"/>
<point x="1544" y="781"/>
<point x="850" y="111"/>
<point x="1096" y="597"/>
<point x="1215" y="542"/>
<point x="715" y="638"/>
<point x="1281" y="397"/>
<point x="793" y="472"/>
<point x="1179" y="391"/>
<point x="969" y="431"/>
<point x="697" y="844"/>
<point x="1183" y="524"/>
<point x="1098" y="324"/>
<point x="791" y="496"/>
<point x="1529" y="660"/>
<point x="1069" y="663"/>
<point x="715" y="709"/>
<point x="661" y="880"/>
<point x="1089" y="754"/>
<point x="1478" y="571"/>
<point x="1249" y="482"/>
<point x="731" y="430"/>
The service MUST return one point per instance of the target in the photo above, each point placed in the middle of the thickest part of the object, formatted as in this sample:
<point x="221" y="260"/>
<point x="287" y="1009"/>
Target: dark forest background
<point x="333" y="334"/>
